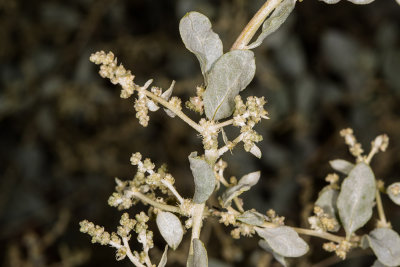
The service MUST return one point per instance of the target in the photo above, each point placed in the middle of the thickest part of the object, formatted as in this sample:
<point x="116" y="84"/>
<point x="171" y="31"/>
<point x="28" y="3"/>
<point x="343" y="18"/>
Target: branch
<point x="178" y="113"/>
<point x="251" y="28"/>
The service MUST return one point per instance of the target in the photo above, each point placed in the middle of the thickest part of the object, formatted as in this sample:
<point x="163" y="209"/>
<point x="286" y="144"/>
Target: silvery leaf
<point x="356" y="198"/>
<point x="386" y="245"/>
<point x="279" y="258"/>
<point x="255" y="151"/>
<point x="244" y="184"/>
<point x="377" y="263"/>
<point x="166" y="95"/>
<point x="152" y="106"/>
<point x="394" y="192"/>
<point x="230" y="74"/>
<point x="330" y="1"/>
<point x="163" y="260"/>
<point x="274" y="21"/>
<point x="169" y="113"/>
<point x="284" y="241"/>
<point x="361" y="2"/>
<point x="199" y="38"/>
<point x="327" y="201"/>
<point x="341" y="165"/>
<point x="252" y="218"/>
<point x="204" y="178"/>
<point x="170" y="228"/>
<point x="224" y="137"/>
<point x="199" y="257"/>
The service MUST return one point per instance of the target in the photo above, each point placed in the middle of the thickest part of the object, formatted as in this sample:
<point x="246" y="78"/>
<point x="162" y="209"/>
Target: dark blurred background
<point x="65" y="133"/>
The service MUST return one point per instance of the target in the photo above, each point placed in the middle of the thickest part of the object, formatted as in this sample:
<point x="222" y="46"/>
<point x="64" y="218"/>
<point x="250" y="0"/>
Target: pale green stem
<point x="173" y="190"/>
<point x="251" y="28"/>
<point x="381" y="212"/>
<point x="323" y="235"/>
<point x="225" y="148"/>
<point x="373" y="151"/>
<point x="223" y="124"/>
<point x="131" y="257"/>
<point x="197" y="217"/>
<point x="155" y="204"/>
<point x="178" y="112"/>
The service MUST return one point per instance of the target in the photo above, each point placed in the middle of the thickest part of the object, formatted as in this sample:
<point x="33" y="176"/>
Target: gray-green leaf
<point x="244" y="184"/>
<point x="386" y="245"/>
<point x="199" y="38"/>
<point x="170" y="228"/>
<point x="341" y="165"/>
<point x="274" y="21"/>
<point x="230" y="74"/>
<point x="204" y="178"/>
<point x="377" y="263"/>
<point x="394" y="192"/>
<point x="356" y="198"/>
<point x="262" y="243"/>
<point x="284" y="241"/>
<point x="163" y="260"/>
<point x="252" y="218"/>
<point x="199" y="257"/>
<point x="327" y="201"/>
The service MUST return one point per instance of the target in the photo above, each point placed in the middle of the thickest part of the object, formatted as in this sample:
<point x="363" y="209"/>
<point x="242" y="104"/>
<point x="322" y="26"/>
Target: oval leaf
<point x="356" y="198"/>
<point x="252" y="218"/>
<point x="170" y="228"/>
<point x="327" y="201"/>
<point x="341" y="165"/>
<point x="386" y="245"/>
<point x="284" y="241"/>
<point x="199" y="38"/>
<point x="204" y="178"/>
<point x="278" y="258"/>
<point x="361" y="2"/>
<point x="231" y="74"/>
<point x="244" y="184"/>
<point x="394" y="192"/>
<point x="274" y="21"/>
<point x="199" y="257"/>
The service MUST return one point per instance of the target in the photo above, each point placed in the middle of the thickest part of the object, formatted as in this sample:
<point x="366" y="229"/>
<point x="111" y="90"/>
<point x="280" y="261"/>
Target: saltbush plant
<point x="348" y="201"/>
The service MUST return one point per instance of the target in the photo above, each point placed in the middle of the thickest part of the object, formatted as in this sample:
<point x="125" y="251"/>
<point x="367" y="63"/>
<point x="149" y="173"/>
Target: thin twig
<point x="323" y="235"/>
<point x="251" y="28"/>
<point x="155" y="204"/>
<point x="178" y="113"/>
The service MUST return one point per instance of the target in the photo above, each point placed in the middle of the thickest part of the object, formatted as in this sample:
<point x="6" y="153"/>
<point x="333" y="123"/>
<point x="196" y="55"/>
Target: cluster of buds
<point x="146" y="181"/>
<point x="117" y="74"/>
<point x="139" y="226"/>
<point x="341" y="249"/>
<point x="247" y="116"/>
<point x="250" y="113"/>
<point x="354" y="147"/>
<point x="209" y="134"/>
<point x="195" y="103"/>
<point x="274" y="218"/>
<point x="381" y="143"/>
<point x="322" y="221"/>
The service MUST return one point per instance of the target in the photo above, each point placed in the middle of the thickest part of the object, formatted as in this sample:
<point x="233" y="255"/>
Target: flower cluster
<point x="195" y="103"/>
<point x="139" y="226"/>
<point x="341" y="249"/>
<point x="354" y="147"/>
<point x="246" y="116"/>
<point x="322" y="221"/>
<point x="209" y="134"/>
<point x="146" y="181"/>
<point x="117" y="74"/>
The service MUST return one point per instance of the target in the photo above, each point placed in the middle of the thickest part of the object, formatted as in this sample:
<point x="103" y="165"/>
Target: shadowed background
<point x="65" y="133"/>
